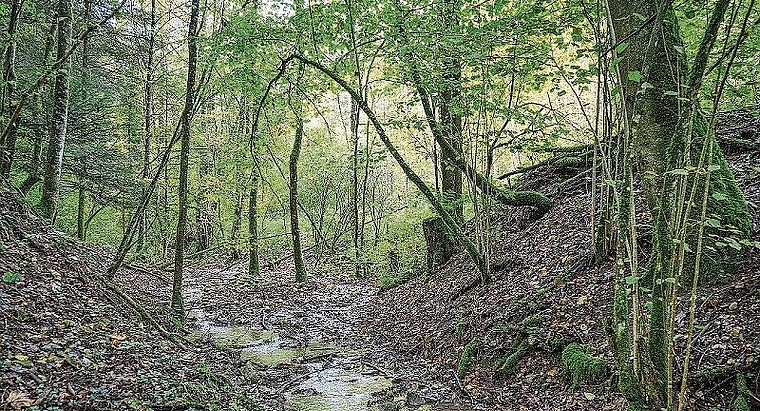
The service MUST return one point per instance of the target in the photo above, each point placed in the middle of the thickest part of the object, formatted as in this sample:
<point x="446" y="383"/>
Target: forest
<point x="388" y="205"/>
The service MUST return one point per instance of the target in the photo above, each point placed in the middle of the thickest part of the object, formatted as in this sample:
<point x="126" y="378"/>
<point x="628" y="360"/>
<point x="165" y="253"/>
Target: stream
<point x="309" y="342"/>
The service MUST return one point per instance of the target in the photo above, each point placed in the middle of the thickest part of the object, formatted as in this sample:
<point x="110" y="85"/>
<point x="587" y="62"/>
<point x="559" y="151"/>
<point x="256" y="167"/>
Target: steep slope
<point x="547" y="293"/>
<point x="67" y="342"/>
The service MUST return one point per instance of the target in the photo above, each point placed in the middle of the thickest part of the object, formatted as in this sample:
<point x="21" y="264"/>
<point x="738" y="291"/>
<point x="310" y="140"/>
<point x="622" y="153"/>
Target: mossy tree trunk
<point x="9" y="89"/>
<point x="52" y="175"/>
<point x="449" y="109"/>
<point x="666" y="133"/>
<point x="294" y="228"/>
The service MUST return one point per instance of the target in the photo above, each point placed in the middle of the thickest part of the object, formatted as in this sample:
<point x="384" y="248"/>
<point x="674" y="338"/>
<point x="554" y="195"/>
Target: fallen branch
<point x="174" y="338"/>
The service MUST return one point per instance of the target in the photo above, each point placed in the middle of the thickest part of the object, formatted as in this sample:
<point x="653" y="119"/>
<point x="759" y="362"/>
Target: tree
<point x="148" y="115"/>
<point x="670" y="148"/>
<point x="9" y="89"/>
<point x="294" y="229"/>
<point x="449" y="106"/>
<point x="179" y="248"/>
<point x="54" y="162"/>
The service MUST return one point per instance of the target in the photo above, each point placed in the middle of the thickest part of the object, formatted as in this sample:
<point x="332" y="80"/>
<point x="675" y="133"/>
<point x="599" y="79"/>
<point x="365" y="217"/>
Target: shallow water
<point x="336" y="385"/>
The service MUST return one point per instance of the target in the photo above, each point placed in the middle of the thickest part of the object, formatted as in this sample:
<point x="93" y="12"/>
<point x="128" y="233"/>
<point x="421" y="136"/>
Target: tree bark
<point x="52" y="176"/>
<point x="254" y="267"/>
<point x="294" y="229"/>
<point x="148" y="114"/>
<point x="8" y="149"/>
<point x="179" y="248"/>
<point x="448" y="111"/>
<point x="440" y="245"/>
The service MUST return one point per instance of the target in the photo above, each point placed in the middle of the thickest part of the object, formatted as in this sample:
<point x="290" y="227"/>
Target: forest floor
<point x="70" y="341"/>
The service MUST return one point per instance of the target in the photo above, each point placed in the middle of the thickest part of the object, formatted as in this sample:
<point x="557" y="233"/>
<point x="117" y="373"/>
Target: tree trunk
<point x="42" y="105"/>
<point x="253" y="227"/>
<point x="82" y="198"/>
<point x="237" y="222"/>
<point x="448" y="111"/>
<point x="179" y="247"/>
<point x="666" y="132"/>
<point x="8" y="149"/>
<point x="52" y="176"/>
<point x="440" y="245"/>
<point x="295" y="231"/>
<point x="355" y="180"/>
<point x="148" y="112"/>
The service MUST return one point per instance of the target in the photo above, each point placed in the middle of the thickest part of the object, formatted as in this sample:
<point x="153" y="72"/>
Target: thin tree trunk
<point x="253" y="229"/>
<point x="53" y="165"/>
<point x="296" y="233"/>
<point x="80" y="213"/>
<point x="148" y="137"/>
<point x="179" y="247"/>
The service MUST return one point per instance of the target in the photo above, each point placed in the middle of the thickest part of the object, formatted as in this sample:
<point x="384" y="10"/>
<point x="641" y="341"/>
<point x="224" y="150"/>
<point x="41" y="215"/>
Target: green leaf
<point x="671" y="93"/>
<point x="620" y="48"/>
<point x="630" y="280"/>
<point x="719" y="196"/>
<point x="713" y="167"/>
<point x="634" y="76"/>
<point x="589" y="396"/>
<point x="712" y="222"/>
<point x="11" y="277"/>
<point x="646" y="85"/>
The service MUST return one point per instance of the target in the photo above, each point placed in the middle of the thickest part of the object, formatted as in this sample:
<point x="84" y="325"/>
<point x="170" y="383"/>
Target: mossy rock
<point x="582" y="367"/>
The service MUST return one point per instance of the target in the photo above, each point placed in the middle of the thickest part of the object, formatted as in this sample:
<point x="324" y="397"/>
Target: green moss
<point x="741" y="402"/>
<point x="581" y="366"/>
<point x="508" y="366"/>
<point x="727" y="211"/>
<point x="533" y="321"/>
<point x="464" y="361"/>
<point x="460" y="328"/>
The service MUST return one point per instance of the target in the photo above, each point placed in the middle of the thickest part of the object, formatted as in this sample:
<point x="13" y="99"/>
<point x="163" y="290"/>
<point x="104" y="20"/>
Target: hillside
<point x="547" y="293"/>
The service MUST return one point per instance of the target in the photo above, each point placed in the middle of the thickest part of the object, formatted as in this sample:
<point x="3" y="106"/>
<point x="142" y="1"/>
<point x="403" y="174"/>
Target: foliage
<point x="12" y="277"/>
